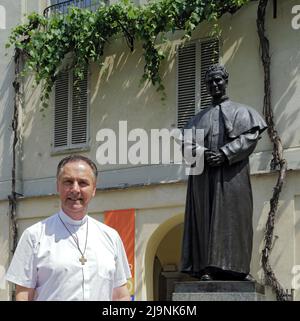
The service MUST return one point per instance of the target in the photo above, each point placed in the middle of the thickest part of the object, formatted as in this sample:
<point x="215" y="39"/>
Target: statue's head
<point x="216" y="78"/>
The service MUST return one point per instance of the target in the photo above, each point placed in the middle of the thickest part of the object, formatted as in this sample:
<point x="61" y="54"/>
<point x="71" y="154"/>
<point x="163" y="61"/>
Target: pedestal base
<point x="218" y="291"/>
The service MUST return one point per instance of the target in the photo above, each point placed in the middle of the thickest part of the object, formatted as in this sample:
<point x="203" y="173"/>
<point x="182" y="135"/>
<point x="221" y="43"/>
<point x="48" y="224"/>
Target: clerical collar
<point x="67" y="219"/>
<point x="220" y="101"/>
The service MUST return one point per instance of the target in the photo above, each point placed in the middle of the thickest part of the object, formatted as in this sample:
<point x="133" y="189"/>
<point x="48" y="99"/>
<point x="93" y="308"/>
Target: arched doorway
<point x="167" y="264"/>
<point x="162" y="259"/>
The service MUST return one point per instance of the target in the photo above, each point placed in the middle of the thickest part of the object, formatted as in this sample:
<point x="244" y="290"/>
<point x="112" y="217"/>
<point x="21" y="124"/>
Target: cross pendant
<point x="82" y="260"/>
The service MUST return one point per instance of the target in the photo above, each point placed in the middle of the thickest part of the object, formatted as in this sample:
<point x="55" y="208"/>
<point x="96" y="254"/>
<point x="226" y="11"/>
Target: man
<point x="217" y="241"/>
<point x="71" y="256"/>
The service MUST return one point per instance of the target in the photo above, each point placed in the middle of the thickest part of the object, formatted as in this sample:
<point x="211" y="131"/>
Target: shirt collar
<point x="67" y="219"/>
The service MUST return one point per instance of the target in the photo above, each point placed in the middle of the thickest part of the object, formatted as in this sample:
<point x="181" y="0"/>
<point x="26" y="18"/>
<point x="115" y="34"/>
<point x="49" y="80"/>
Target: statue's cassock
<point x="218" y="217"/>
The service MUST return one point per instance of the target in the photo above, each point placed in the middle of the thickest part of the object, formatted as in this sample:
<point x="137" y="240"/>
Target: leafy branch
<point x="46" y="41"/>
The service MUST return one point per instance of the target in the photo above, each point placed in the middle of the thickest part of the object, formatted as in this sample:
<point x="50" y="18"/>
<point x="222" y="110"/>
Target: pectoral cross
<point x="82" y="260"/>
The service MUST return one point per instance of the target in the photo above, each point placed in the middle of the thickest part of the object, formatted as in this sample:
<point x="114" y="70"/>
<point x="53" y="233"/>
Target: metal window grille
<point x="62" y="6"/>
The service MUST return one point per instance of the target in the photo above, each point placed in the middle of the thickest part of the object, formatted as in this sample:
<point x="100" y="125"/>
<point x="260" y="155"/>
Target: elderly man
<point x="217" y="241"/>
<point x="71" y="256"/>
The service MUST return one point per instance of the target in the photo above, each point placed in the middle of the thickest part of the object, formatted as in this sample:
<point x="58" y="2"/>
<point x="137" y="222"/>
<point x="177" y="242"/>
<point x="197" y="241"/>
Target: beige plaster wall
<point x="285" y="253"/>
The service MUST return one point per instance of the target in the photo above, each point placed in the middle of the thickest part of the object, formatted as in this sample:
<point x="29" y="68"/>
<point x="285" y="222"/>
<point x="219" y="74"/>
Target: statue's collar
<point x="220" y="101"/>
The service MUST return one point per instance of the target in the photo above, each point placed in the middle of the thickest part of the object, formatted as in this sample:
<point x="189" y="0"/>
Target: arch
<point x="2" y="17"/>
<point x="152" y="247"/>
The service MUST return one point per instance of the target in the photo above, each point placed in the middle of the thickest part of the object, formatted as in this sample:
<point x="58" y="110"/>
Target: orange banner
<point x="124" y="222"/>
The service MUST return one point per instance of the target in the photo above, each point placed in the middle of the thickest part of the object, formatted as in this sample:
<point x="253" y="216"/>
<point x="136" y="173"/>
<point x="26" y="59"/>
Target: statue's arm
<point x="241" y="147"/>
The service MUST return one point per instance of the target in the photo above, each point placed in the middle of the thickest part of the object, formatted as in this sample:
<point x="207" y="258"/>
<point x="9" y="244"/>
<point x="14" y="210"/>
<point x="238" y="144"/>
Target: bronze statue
<point x="218" y="233"/>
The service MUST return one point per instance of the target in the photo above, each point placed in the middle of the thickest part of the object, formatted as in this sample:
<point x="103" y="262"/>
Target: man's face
<point x="216" y="84"/>
<point x="76" y="186"/>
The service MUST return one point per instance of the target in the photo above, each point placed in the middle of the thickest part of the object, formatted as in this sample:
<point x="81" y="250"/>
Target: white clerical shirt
<point x="47" y="259"/>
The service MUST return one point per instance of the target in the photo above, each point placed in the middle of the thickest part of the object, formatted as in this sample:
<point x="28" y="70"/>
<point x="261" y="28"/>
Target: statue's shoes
<point x="206" y="277"/>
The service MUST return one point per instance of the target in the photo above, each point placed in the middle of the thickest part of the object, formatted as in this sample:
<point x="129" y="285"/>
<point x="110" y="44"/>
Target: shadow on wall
<point x="118" y="86"/>
<point x="285" y="68"/>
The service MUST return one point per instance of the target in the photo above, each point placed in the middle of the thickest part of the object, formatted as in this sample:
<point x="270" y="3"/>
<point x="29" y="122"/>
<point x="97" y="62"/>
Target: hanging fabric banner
<point x="124" y="222"/>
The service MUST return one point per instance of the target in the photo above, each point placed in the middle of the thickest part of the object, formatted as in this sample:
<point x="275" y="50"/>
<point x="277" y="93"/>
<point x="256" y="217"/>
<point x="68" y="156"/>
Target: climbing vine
<point x="278" y="162"/>
<point x="13" y="197"/>
<point x="46" y="41"/>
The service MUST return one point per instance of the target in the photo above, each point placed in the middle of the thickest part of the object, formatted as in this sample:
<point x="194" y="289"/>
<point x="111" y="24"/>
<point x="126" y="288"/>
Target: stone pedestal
<point x="167" y="284"/>
<point x="218" y="291"/>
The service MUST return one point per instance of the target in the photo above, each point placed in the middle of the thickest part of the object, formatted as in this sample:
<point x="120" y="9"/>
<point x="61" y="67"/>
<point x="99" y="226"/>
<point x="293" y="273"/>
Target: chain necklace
<point x="82" y="260"/>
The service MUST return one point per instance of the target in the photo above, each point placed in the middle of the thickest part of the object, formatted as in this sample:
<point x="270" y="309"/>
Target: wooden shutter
<point x="61" y="110"/>
<point x="70" y="111"/>
<point x="79" y="110"/>
<point x="186" y="85"/>
<point x="192" y="64"/>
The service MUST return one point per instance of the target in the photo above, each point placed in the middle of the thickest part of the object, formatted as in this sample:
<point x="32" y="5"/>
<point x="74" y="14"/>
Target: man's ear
<point x="95" y="187"/>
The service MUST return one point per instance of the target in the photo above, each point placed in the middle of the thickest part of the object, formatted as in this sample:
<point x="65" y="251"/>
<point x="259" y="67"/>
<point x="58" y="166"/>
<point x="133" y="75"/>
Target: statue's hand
<point x="214" y="158"/>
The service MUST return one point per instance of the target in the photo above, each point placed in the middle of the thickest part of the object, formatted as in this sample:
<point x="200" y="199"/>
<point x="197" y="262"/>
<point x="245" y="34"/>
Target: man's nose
<point x="75" y="186"/>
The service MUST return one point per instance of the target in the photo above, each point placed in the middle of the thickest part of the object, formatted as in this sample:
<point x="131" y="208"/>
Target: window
<point x="70" y="111"/>
<point x="192" y="62"/>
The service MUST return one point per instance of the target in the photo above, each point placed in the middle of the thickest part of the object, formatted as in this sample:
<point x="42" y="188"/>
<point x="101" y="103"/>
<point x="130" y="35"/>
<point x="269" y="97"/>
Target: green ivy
<point x="46" y="41"/>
